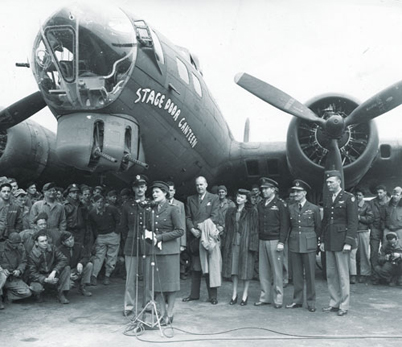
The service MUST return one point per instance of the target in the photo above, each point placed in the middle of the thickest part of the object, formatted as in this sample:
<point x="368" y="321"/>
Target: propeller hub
<point x="334" y="126"/>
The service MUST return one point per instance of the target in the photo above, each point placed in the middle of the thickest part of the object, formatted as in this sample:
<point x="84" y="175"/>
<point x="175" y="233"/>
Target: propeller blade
<point x="21" y="110"/>
<point x="276" y="97"/>
<point x="384" y="101"/>
<point x="334" y="159"/>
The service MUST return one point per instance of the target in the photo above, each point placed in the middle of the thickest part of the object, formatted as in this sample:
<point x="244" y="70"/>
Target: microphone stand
<point x="151" y="305"/>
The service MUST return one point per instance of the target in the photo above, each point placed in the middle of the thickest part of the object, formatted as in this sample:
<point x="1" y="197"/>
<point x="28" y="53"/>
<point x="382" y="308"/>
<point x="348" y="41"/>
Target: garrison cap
<point x="14" y="238"/>
<point x="48" y="186"/>
<point x="266" y="182"/>
<point x="161" y="185"/>
<point x="19" y="192"/>
<point x="125" y="191"/>
<point x="333" y="173"/>
<point x="222" y="187"/>
<point x="300" y="185"/>
<point x="139" y="179"/>
<point x="111" y="193"/>
<point x="72" y="187"/>
<point x="99" y="188"/>
<point x="391" y="235"/>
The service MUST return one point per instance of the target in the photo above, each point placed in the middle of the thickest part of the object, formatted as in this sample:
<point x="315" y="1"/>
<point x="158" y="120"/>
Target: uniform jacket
<point x="13" y="259"/>
<point x="197" y="212"/>
<point x="182" y="214"/>
<point x="340" y="222"/>
<point x="75" y="214"/>
<point x="13" y="219"/>
<point x="133" y="217"/>
<point x="273" y="220"/>
<point x="168" y="227"/>
<point x="78" y="255"/>
<point x="41" y="264"/>
<point x="248" y="230"/>
<point x="305" y="227"/>
<point x="377" y="208"/>
<point x="392" y="216"/>
<point x="366" y="216"/>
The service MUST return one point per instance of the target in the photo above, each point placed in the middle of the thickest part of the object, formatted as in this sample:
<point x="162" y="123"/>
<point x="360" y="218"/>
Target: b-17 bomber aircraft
<point x="128" y="101"/>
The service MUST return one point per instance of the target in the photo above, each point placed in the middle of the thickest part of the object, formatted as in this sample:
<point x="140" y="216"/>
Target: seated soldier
<point x="389" y="266"/>
<point x="47" y="266"/>
<point x="78" y="259"/>
<point x="12" y="266"/>
<point x="28" y="235"/>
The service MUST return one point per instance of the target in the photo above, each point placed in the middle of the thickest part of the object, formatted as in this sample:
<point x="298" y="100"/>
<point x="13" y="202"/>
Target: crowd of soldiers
<point x="62" y="238"/>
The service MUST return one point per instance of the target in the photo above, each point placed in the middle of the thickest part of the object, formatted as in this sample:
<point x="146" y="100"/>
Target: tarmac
<point x="374" y="319"/>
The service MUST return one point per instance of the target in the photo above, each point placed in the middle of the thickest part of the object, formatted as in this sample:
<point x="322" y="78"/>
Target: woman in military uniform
<point x="168" y="228"/>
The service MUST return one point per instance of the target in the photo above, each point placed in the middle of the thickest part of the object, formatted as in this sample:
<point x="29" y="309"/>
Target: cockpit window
<point x="183" y="73"/>
<point x="197" y="85"/>
<point x="83" y="57"/>
<point x="158" y="48"/>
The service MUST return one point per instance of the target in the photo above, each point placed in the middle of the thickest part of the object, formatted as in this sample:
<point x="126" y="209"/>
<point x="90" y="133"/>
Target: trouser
<point x="363" y="252"/>
<point x="106" y="246"/>
<point x="338" y="279"/>
<point x="62" y="285"/>
<point x="132" y="273"/>
<point x="287" y="265"/>
<point x="196" y="286"/>
<point x="271" y="272"/>
<point x="85" y="276"/>
<point x="375" y="240"/>
<point x="16" y="288"/>
<point x="303" y="263"/>
<point x="388" y="271"/>
<point x="352" y="262"/>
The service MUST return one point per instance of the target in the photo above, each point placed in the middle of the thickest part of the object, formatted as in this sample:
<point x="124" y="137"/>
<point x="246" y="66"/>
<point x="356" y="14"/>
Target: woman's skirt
<point x="167" y="273"/>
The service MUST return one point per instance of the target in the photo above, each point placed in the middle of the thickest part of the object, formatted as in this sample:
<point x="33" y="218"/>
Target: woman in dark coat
<point x="241" y="243"/>
<point x="168" y="229"/>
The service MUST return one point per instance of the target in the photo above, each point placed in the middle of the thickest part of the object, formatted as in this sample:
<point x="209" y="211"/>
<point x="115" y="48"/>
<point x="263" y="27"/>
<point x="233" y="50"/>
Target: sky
<point x="305" y="48"/>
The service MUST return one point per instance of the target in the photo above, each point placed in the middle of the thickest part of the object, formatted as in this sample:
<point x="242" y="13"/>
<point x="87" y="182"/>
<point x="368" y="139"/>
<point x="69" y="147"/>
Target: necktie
<point x="333" y="197"/>
<point x="300" y="207"/>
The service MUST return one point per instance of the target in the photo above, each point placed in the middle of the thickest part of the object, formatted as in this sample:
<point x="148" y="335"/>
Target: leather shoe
<point x="261" y="303"/>
<point x="214" y="301"/>
<point x="342" y="312"/>
<point x="294" y="305"/>
<point x="244" y="302"/>
<point x="189" y="298"/>
<point x="277" y="306"/>
<point x="233" y="301"/>
<point x="311" y="309"/>
<point x="330" y="309"/>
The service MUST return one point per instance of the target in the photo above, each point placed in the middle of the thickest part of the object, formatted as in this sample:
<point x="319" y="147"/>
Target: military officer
<point x="305" y="223"/>
<point x="339" y="232"/>
<point x="273" y="227"/>
<point x="133" y="216"/>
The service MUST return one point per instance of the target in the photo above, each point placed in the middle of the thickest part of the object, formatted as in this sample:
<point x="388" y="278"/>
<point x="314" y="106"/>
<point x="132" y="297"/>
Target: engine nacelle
<point x="306" y="143"/>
